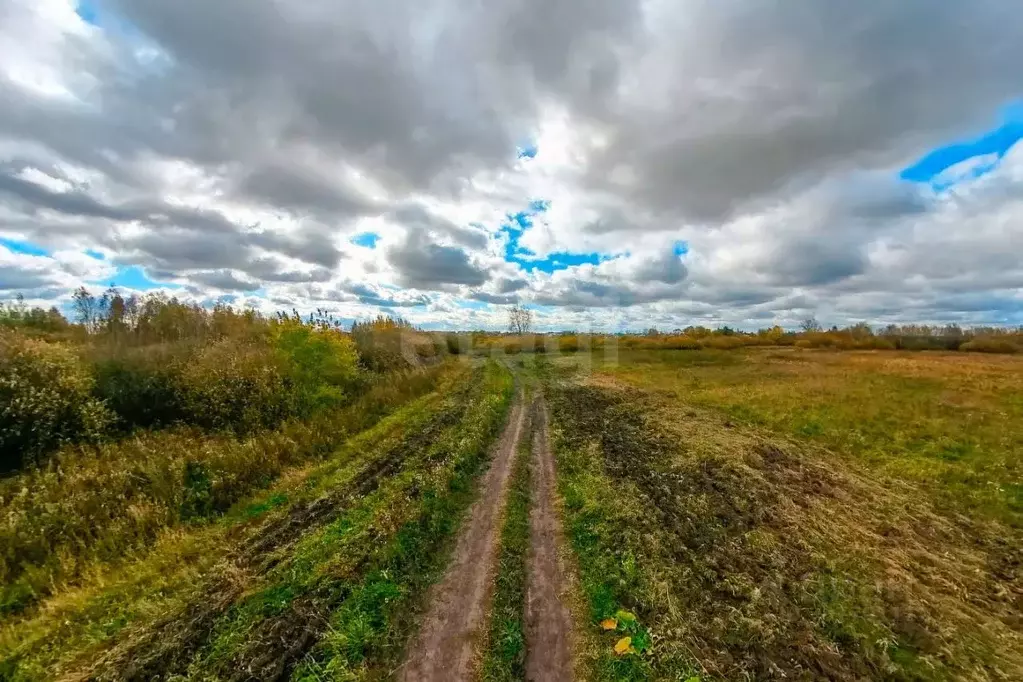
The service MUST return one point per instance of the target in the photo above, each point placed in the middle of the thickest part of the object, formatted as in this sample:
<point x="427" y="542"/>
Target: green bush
<point x="45" y="400"/>
<point x="140" y="389"/>
<point x="323" y="364"/>
<point x="237" y="386"/>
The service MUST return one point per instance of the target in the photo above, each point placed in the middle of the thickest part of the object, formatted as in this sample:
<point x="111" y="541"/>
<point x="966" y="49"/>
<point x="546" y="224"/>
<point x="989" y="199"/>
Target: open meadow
<point x="794" y="513"/>
<point x="213" y="495"/>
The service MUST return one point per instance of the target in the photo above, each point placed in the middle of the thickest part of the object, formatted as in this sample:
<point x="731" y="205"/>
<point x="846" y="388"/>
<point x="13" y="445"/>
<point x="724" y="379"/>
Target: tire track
<point x="548" y="622"/>
<point x="445" y="649"/>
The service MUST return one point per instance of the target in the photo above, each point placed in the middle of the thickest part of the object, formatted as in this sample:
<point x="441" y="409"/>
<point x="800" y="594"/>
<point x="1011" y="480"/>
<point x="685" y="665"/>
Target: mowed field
<point x="668" y="515"/>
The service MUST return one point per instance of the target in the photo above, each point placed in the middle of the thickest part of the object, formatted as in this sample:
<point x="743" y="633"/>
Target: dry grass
<point x="748" y="547"/>
<point x="952" y="423"/>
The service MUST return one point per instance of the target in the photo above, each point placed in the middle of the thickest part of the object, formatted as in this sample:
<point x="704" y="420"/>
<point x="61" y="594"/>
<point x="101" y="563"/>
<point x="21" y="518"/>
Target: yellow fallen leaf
<point x="609" y="623"/>
<point x="623" y="646"/>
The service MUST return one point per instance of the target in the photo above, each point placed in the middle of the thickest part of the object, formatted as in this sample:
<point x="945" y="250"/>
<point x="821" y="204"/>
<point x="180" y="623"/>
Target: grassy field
<point x="797" y="514"/>
<point x="768" y="513"/>
<point x="951" y="423"/>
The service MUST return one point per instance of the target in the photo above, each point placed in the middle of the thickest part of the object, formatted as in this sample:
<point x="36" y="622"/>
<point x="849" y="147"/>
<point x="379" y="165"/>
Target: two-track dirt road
<point x="447" y="646"/>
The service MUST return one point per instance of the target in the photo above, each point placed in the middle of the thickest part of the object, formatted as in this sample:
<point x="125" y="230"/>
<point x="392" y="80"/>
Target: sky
<point x="610" y="164"/>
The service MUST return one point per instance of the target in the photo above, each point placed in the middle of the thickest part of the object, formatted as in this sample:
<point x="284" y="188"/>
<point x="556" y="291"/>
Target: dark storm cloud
<point x="508" y="286"/>
<point x="368" y="295"/>
<point x="32" y="196"/>
<point x="758" y="95"/>
<point x="690" y="115"/>
<point x="272" y="270"/>
<point x="303" y="191"/>
<point x="13" y="279"/>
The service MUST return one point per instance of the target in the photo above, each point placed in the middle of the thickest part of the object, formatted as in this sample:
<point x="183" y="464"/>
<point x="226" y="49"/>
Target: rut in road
<point x="445" y="648"/>
<point x="548" y="621"/>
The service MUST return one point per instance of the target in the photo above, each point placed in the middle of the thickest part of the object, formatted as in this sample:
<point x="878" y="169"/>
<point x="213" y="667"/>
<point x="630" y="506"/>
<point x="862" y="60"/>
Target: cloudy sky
<point x="608" y="163"/>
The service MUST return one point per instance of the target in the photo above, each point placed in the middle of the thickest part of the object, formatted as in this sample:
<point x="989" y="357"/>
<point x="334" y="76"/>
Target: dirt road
<point x="548" y="620"/>
<point x="445" y="648"/>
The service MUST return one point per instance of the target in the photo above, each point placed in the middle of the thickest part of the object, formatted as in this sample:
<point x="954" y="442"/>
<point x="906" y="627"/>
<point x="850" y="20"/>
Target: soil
<point x="548" y="621"/>
<point x="446" y="647"/>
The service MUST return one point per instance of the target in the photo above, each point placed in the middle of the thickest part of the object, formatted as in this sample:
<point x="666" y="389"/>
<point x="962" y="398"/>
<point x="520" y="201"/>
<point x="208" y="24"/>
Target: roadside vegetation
<point x="320" y="575"/>
<point x="992" y="340"/>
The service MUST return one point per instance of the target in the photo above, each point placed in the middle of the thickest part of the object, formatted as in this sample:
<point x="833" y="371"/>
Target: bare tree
<point x="520" y="320"/>
<point x="811" y="324"/>
<point x="87" y="308"/>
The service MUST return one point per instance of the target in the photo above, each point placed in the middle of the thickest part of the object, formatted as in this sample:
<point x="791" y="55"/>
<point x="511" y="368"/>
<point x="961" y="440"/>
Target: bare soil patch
<point x="445" y="649"/>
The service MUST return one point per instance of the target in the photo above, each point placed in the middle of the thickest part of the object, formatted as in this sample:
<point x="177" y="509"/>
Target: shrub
<point x="139" y="387"/>
<point x="236" y="385"/>
<point x="89" y="505"/>
<point x="323" y="364"/>
<point x="453" y="342"/>
<point x="990" y="344"/>
<point x="391" y="344"/>
<point x="45" y="400"/>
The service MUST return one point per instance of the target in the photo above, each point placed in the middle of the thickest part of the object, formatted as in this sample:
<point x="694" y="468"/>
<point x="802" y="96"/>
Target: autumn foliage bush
<point x="155" y="362"/>
<point x="987" y="344"/>
<point x="45" y="399"/>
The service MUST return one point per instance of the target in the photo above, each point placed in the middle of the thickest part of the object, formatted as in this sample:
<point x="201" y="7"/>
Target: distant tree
<point x="113" y="311"/>
<point x="861" y="330"/>
<point x="87" y="308"/>
<point x="811" y="324"/>
<point x="520" y="319"/>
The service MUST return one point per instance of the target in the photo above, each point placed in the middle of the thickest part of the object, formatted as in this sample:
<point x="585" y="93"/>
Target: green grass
<point x="744" y="554"/>
<point x="367" y="632"/>
<point x="505" y="657"/>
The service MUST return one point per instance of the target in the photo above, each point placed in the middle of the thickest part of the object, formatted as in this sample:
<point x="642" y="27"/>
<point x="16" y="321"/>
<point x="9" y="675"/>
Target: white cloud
<point x="240" y="145"/>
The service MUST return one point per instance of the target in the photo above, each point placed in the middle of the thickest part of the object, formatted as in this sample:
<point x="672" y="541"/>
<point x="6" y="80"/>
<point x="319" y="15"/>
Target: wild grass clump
<point x="390" y="343"/>
<point x="954" y="431"/>
<point x="45" y="400"/>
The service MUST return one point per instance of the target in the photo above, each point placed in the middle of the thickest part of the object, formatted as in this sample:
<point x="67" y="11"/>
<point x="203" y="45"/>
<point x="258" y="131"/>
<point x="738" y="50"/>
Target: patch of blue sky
<point x="516" y="225"/>
<point x="680" y="248"/>
<point x="366" y="239"/>
<point x="134" y="278"/>
<point x="87" y="10"/>
<point x="562" y="261"/>
<point x="527" y="151"/>
<point x="987" y="150"/>
<point x="27" y="248"/>
<point x="92" y="253"/>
